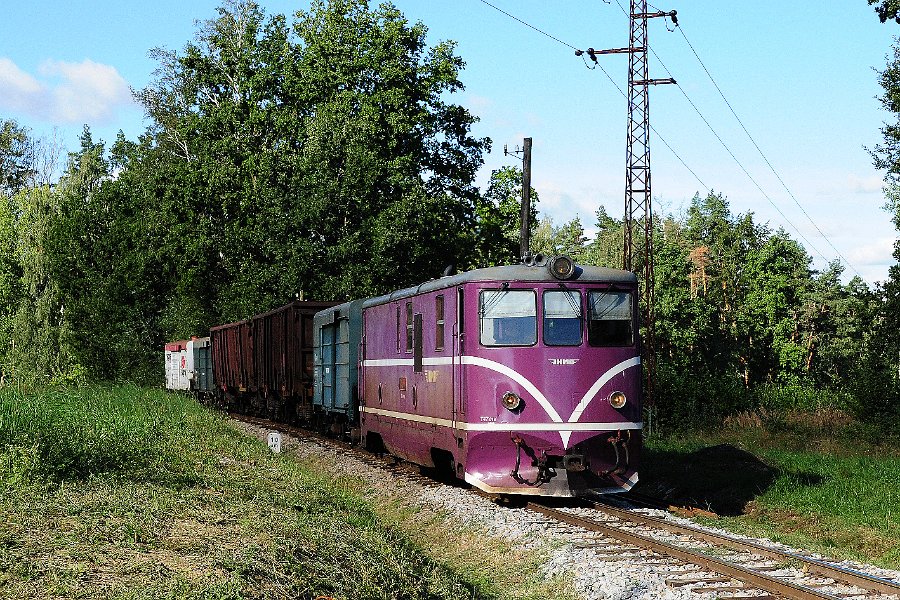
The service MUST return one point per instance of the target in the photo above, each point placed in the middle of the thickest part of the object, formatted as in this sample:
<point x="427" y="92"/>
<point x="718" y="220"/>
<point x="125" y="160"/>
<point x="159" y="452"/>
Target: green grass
<point x="815" y="480"/>
<point x="124" y="432"/>
<point x="122" y="492"/>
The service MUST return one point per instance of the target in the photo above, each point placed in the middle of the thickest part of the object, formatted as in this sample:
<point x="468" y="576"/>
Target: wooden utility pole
<point x="525" y="232"/>
<point x="525" y="220"/>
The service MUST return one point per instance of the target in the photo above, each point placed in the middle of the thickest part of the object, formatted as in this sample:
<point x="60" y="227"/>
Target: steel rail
<point x="761" y="581"/>
<point x="813" y="565"/>
<point x="757" y="580"/>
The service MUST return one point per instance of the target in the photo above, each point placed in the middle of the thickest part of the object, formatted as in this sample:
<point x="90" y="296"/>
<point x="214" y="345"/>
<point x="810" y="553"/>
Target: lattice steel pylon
<point x="638" y="239"/>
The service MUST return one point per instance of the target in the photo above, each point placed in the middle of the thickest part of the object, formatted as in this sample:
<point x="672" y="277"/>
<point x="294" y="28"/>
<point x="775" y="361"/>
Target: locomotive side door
<point x="459" y="344"/>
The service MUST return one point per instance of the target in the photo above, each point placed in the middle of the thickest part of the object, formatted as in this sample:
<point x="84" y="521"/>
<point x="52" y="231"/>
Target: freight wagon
<point x="188" y="365"/>
<point x="264" y="365"/>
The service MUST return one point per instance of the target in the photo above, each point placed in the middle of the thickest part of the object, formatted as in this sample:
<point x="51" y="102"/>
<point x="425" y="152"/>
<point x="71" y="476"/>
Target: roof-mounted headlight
<point x="534" y="260"/>
<point x="562" y="267"/>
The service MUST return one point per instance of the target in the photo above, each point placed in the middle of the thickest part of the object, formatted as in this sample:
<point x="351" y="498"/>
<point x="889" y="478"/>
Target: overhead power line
<point x="761" y="153"/>
<point x="580" y="52"/>
<point x="541" y="31"/>
<point x="744" y="169"/>
<point x="758" y="149"/>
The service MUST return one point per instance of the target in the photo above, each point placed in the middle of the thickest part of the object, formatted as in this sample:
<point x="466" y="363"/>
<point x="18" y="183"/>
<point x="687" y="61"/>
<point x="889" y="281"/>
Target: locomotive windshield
<point x="562" y="318"/>
<point x="508" y="318"/>
<point x="610" y="320"/>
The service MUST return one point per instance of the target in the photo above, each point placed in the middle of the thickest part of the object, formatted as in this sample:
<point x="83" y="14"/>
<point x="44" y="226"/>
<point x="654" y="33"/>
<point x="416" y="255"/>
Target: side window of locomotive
<point x="562" y="318"/>
<point x="409" y="327"/>
<point x="508" y="318"/>
<point x="439" y="323"/>
<point x="398" y="329"/>
<point x="610" y="319"/>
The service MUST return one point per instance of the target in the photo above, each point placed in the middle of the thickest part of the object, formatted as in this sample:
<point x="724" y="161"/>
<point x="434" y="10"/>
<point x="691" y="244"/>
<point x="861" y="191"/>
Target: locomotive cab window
<point x="508" y="317"/>
<point x="562" y="318"/>
<point x="610" y="319"/>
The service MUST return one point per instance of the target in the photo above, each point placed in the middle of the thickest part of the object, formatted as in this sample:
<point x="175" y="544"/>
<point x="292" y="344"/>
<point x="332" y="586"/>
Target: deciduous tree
<point x="43" y="347"/>
<point x="887" y="9"/>
<point x="320" y="155"/>
<point x="499" y="218"/>
<point x="16" y="157"/>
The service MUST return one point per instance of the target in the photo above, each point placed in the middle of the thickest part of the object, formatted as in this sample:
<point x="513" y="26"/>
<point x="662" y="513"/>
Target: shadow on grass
<point x="722" y="479"/>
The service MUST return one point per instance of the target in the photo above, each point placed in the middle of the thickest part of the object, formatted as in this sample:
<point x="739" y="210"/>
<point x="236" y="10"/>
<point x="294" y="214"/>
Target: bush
<point x="686" y="400"/>
<point x="875" y="396"/>
<point x="799" y="397"/>
<point x="691" y="399"/>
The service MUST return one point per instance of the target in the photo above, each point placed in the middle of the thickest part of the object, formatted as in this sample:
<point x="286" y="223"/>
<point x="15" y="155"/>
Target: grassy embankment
<point x="128" y="493"/>
<point x="812" y="478"/>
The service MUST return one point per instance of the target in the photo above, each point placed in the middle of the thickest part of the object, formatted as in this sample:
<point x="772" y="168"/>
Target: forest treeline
<point x="321" y="155"/>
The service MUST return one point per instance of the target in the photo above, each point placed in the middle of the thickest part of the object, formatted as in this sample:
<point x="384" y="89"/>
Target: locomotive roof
<point x="511" y="273"/>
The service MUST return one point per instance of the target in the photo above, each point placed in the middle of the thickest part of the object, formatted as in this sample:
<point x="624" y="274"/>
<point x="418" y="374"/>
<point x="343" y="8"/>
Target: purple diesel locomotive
<point x="519" y="379"/>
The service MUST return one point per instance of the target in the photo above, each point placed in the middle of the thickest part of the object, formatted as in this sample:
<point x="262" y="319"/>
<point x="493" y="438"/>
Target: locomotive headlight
<point x="562" y="267"/>
<point x="511" y="401"/>
<point x="617" y="399"/>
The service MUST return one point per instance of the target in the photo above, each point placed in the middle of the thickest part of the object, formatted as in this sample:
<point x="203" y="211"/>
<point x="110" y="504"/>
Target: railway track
<point x="703" y="561"/>
<point x="737" y="567"/>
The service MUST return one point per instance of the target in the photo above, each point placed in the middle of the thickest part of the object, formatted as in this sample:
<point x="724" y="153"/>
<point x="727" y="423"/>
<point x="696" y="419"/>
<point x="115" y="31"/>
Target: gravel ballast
<point x="593" y="576"/>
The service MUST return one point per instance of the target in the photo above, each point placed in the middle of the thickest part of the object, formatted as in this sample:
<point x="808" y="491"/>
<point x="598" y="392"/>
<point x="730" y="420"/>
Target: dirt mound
<point x="722" y="479"/>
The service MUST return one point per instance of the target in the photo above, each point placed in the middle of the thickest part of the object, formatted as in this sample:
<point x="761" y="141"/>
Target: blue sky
<point x="801" y="76"/>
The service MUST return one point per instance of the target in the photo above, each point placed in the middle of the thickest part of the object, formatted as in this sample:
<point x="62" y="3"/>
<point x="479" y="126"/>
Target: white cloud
<point x="18" y="89"/>
<point x="871" y="184"/>
<point x="876" y="252"/>
<point x="878" y="273"/>
<point x="66" y="93"/>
